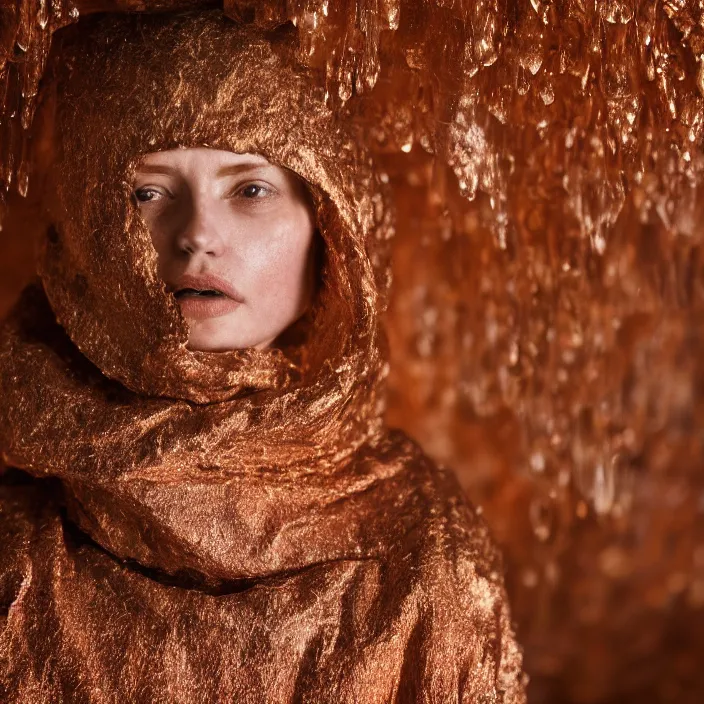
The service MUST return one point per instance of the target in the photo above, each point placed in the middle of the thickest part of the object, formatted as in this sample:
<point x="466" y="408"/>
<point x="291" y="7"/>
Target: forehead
<point x="203" y="158"/>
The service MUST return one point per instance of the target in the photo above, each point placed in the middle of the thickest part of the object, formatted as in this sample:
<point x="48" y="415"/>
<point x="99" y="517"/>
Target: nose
<point x="200" y="229"/>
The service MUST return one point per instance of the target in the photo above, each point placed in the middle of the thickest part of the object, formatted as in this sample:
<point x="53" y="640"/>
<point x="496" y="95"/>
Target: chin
<point x="223" y="335"/>
<point x="199" y="342"/>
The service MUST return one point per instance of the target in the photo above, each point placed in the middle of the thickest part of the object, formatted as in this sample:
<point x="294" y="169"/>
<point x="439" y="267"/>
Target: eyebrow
<point x="244" y="166"/>
<point x="155" y="169"/>
<point x="223" y="171"/>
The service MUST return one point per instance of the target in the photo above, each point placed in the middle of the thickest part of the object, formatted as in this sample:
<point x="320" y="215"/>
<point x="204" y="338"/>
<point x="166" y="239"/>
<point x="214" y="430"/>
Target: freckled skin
<point x="241" y="218"/>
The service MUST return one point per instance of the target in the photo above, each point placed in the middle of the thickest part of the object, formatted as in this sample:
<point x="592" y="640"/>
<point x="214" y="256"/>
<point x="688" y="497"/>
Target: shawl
<point x="182" y="526"/>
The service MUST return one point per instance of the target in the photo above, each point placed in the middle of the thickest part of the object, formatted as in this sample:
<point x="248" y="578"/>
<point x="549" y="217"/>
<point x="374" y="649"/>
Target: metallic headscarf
<point x="111" y="391"/>
<point x="158" y="83"/>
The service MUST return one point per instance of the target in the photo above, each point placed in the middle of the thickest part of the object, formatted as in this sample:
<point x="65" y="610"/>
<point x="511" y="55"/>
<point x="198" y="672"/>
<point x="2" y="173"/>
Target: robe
<point x="183" y="526"/>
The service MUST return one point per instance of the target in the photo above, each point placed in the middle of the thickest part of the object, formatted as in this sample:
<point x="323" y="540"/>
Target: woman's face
<point x="234" y="236"/>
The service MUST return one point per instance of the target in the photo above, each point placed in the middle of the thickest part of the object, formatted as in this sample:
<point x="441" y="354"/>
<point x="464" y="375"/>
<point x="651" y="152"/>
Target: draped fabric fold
<point x="182" y="526"/>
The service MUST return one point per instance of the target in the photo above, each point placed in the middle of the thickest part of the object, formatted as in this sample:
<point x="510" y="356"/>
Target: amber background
<point x="547" y="319"/>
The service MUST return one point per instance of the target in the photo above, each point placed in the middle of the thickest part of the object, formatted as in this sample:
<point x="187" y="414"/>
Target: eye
<point x="148" y="195"/>
<point x="253" y="190"/>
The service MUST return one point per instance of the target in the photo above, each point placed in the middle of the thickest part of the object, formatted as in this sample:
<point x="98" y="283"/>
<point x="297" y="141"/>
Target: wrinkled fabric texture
<point x="182" y="526"/>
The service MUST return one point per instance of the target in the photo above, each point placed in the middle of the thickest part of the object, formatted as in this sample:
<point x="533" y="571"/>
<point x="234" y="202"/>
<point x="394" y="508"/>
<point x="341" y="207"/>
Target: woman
<point x="195" y="521"/>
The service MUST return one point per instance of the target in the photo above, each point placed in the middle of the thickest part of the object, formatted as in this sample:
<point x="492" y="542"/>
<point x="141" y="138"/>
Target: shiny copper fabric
<point x="237" y="527"/>
<point x="546" y="337"/>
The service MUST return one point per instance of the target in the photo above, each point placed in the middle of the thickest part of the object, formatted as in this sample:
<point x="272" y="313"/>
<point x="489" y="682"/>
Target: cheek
<point x="159" y="236"/>
<point x="278" y="259"/>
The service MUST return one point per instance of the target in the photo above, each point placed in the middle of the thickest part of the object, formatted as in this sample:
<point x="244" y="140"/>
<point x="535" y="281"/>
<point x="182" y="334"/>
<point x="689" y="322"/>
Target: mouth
<point x="206" y="285"/>
<point x="205" y="296"/>
<point x="197" y="293"/>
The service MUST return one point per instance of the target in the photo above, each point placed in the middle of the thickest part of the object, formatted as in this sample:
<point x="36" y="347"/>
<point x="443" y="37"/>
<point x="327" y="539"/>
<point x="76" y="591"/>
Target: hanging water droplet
<point x="43" y="14"/>
<point x="616" y="11"/>
<point x="604" y="488"/>
<point x="547" y="94"/>
<point x="537" y="462"/>
<point x="541" y="518"/>
<point x="700" y="75"/>
<point x="393" y="14"/>
<point x="598" y="242"/>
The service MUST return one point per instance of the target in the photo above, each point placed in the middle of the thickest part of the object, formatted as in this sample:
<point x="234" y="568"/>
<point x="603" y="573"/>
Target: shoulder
<point x="453" y="528"/>
<point x="461" y="603"/>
